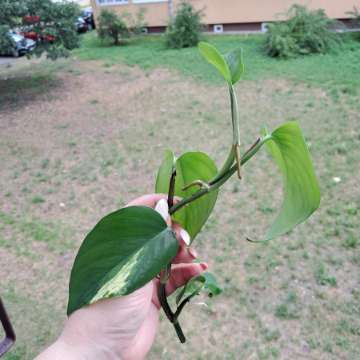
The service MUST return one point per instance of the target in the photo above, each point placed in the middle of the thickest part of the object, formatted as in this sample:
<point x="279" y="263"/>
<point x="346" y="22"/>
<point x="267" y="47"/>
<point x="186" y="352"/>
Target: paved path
<point x="4" y="60"/>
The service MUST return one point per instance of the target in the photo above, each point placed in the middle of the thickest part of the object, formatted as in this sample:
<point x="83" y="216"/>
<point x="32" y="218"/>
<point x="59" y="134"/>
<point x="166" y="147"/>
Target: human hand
<point x="125" y="327"/>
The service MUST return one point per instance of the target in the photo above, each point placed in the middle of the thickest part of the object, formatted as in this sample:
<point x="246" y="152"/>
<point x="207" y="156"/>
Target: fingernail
<point x="185" y="237"/>
<point x="162" y="208"/>
<point x="204" y="266"/>
<point x="193" y="253"/>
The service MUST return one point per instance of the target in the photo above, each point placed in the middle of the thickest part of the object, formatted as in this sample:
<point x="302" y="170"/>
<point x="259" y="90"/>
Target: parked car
<point x="30" y="33"/>
<point x="88" y="16"/>
<point x="81" y="25"/>
<point x="20" y="45"/>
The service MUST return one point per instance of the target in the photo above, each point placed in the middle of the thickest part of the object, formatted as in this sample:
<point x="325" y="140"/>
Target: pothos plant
<point x="131" y="246"/>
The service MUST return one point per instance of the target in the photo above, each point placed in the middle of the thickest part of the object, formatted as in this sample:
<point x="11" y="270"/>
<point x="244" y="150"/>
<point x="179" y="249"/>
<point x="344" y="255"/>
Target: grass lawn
<point x="335" y="71"/>
<point x="81" y="137"/>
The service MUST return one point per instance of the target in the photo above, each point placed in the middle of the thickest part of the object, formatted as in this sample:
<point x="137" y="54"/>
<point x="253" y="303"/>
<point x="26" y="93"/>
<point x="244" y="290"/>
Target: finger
<point x="149" y="200"/>
<point x="185" y="253"/>
<point x="162" y="208"/>
<point x="181" y="234"/>
<point x="181" y="274"/>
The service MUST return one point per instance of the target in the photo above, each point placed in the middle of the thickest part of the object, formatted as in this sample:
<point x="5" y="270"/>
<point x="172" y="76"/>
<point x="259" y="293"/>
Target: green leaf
<point x="236" y="65"/>
<point x="212" y="55"/>
<point x="206" y="281"/>
<point x="123" y="252"/>
<point x="301" y="189"/>
<point x="165" y="171"/>
<point x="230" y="66"/>
<point x="190" y="167"/>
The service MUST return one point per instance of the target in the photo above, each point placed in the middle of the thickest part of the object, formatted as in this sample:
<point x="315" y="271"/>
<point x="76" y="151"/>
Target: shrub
<point x="46" y="19"/>
<point x="355" y="14"/>
<point x="112" y="26"/>
<point x="185" y="28"/>
<point x="120" y="28"/>
<point x="305" y="32"/>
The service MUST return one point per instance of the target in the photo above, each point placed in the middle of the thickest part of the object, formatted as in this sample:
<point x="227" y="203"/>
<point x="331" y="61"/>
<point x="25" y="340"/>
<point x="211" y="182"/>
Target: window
<point x="148" y="1"/>
<point x="111" y="2"/>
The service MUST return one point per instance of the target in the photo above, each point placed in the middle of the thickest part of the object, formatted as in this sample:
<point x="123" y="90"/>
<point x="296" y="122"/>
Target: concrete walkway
<point x="6" y="61"/>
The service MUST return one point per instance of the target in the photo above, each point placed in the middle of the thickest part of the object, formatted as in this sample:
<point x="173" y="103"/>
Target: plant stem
<point x="166" y="274"/>
<point x="236" y="128"/>
<point x="179" y="332"/>
<point x="216" y="183"/>
<point x="171" y="189"/>
<point x="227" y="164"/>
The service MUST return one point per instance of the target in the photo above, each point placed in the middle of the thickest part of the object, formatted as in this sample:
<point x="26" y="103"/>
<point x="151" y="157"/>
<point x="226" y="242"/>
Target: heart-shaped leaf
<point x="230" y="66"/>
<point x="123" y="252"/>
<point x="205" y="281"/>
<point x="190" y="167"/>
<point x="301" y="189"/>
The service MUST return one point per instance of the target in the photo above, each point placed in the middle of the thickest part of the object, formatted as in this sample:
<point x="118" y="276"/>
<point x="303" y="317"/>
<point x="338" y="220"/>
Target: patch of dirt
<point x="73" y="152"/>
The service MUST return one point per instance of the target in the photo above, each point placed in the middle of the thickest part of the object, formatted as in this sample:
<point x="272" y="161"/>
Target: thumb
<point x="162" y="208"/>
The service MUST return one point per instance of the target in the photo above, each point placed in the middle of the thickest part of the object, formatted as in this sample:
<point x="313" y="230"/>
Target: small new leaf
<point x="205" y="281"/>
<point x="230" y="66"/>
<point x="234" y="60"/>
<point x="213" y="56"/>
<point x="123" y="252"/>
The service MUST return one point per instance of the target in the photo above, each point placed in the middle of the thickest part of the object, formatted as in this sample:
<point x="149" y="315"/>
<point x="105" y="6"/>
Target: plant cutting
<point x="131" y="246"/>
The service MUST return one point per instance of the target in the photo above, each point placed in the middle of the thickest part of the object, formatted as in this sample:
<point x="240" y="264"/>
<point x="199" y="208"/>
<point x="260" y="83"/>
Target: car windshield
<point x="16" y="37"/>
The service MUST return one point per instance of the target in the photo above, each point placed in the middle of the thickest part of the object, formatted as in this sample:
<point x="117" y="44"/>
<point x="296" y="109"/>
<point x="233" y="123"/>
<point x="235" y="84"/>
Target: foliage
<point x="51" y="20"/>
<point x="305" y="32"/>
<point x="119" y="28"/>
<point x="148" y="53"/>
<point x="6" y="43"/>
<point x="112" y="26"/>
<point x="129" y="247"/>
<point x="355" y="14"/>
<point x="138" y="245"/>
<point x="184" y="30"/>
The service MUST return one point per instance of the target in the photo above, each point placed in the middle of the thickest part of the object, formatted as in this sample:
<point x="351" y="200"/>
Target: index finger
<point x="149" y="200"/>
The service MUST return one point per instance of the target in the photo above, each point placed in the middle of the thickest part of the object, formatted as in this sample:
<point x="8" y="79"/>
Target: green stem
<point x="213" y="185"/>
<point x="236" y="128"/>
<point x="234" y="153"/>
<point x="234" y="116"/>
<point x="227" y="165"/>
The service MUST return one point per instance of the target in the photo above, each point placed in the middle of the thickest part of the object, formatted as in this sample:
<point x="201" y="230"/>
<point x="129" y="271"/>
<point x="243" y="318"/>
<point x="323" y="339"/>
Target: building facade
<point x="224" y="15"/>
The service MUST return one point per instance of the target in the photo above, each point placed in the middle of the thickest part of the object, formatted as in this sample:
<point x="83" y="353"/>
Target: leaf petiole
<point x="217" y="182"/>
<point x="236" y="128"/>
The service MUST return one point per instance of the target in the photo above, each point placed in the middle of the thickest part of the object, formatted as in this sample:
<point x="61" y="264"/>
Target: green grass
<point x="336" y="70"/>
<point x="26" y="232"/>
<point x="98" y="145"/>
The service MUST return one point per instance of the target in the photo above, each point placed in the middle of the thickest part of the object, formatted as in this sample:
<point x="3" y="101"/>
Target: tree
<point x="52" y="22"/>
<point x="112" y="26"/>
<point x="119" y="28"/>
<point x="185" y="28"/>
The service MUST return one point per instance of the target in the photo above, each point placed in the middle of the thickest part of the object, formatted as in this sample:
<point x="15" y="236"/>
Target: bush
<point x="305" y="32"/>
<point x="120" y="28"/>
<point x="184" y="30"/>
<point x="355" y="14"/>
<point x="46" y="19"/>
<point x="112" y="26"/>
